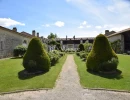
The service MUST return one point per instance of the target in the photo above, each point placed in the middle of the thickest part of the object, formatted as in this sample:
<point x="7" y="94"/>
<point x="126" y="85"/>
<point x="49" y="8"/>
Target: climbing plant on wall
<point x="116" y="46"/>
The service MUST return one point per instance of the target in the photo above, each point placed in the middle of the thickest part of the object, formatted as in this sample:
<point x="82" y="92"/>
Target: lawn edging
<point x="25" y="90"/>
<point x="104" y="89"/>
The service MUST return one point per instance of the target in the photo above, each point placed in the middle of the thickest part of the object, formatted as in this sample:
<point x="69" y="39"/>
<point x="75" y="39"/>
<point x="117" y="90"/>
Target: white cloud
<point x="59" y="23"/>
<point x="84" y="23"/>
<point x="7" y="22"/>
<point x="46" y="25"/>
<point x="80" y="27"/>
<point x="98" y="27"/>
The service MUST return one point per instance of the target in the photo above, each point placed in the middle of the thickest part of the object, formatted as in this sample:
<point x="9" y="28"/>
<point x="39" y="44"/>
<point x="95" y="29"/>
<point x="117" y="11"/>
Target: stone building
<point x="9" y="39"/>
<point x="123" y="35"/>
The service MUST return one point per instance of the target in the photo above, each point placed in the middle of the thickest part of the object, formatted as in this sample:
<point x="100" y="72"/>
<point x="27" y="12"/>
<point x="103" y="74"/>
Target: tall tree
<point x="52" y="36"/>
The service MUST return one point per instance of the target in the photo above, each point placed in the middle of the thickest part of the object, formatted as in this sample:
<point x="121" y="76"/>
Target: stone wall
<point x="8" y="41"/>
<point x="114" y="37"/>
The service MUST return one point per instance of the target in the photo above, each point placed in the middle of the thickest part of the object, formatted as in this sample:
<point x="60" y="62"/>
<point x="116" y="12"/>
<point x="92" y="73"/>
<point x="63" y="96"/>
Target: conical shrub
<point x="36" y="58"/>
<point x="100" y="55"/>
<point x="81" y="47"/>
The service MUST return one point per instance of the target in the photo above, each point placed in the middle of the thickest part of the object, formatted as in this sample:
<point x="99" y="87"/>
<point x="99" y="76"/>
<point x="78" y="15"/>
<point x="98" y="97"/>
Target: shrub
<point x="81" y="47"/>
<point x="101" y="52"/>
<point x="77" y="53"/>
<point x="58" y="46"/>
<point x="116" y="46"/>
<point x="62" y="54"/>
<point x="36" y="58"/>
<point x="87" y="46"/>
<point x="54" y="57"/>
<point x="19" y="50"/>
<point x="83" y="54"/>
<point x="109" y="65"/>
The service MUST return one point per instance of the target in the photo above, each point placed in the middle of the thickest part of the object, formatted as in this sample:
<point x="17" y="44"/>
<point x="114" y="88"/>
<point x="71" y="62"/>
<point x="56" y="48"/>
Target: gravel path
<point x="67" y="88"/>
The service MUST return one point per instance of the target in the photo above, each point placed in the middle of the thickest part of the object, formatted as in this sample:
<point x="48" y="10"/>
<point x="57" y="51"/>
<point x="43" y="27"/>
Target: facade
<point x="9" y="39"/>
<point x="73" y="43"/>
<point x="123" y="35"/>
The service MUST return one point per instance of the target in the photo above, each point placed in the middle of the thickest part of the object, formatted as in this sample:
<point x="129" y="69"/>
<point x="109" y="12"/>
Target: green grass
<point x="10" y="79"/>
<point x="89" y="80"/>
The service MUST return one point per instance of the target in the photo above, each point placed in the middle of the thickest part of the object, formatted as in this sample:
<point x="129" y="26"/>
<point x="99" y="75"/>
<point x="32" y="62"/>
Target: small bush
<point x="109" y="65"/>
<point x="81" y="47"/>
<point x="58" y="47"/>
<point x="54" y="56"/>
<point x="62" y="54"/>
<point x="83" y="54"/>
<point x="77" y="53"/>
<point x="19" y="50"/>
<point x="87" y="46"/>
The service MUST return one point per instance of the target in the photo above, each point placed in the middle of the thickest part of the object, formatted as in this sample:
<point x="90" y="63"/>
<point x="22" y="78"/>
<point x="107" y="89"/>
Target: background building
<point x="123" y="35"/>
<point x="73" y="43"/>
<point x="9" y="39"/>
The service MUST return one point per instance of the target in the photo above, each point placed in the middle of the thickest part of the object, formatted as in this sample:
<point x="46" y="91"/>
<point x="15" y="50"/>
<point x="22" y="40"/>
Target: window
<point x="25" y="43"/>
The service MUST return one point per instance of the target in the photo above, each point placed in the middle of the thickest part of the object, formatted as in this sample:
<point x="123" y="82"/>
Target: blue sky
<point x="82" y="18"/>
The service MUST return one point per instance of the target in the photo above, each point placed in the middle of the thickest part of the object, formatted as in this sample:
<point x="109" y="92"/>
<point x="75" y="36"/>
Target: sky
<point x="82" y="18"/>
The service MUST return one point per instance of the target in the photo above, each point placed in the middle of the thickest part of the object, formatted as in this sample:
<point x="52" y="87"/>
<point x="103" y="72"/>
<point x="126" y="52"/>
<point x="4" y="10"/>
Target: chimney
<point x="33" y="32"/>
<point x="14" y="29"/>
<point x="66" y="37"/>
<point x="106" y="32"/>
<point x="37" y="34"/>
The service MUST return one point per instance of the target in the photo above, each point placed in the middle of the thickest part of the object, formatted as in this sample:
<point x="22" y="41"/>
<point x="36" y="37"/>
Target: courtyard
<point x="67" y="87"/>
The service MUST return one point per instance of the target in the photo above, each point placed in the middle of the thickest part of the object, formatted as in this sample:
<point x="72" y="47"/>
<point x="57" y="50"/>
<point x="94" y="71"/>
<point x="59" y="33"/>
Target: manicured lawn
<point x="11" y="78"/>
<point x="89" y="80"/>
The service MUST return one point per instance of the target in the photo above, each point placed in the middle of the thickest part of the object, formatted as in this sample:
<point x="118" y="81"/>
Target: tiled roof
<point x="24" y="34"/>
<point x="27" y="34"/>
<point x="79" y="38"/>
<point x="120" y="32"/>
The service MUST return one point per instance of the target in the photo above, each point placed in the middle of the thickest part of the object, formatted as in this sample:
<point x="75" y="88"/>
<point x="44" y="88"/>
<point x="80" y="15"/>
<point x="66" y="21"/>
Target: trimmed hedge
<point x="36" y="58"/>
<point x="19" y="50"/>
<point x="101" y="52"/>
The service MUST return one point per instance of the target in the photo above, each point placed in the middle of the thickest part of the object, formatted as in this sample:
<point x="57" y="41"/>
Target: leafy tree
<point x="52" y="42"/>
<point x="52" y="36"/>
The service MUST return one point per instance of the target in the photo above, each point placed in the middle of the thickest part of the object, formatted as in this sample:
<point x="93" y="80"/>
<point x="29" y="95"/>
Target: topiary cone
<point x="101" y="52"/>
<point x="36" y="58"/>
